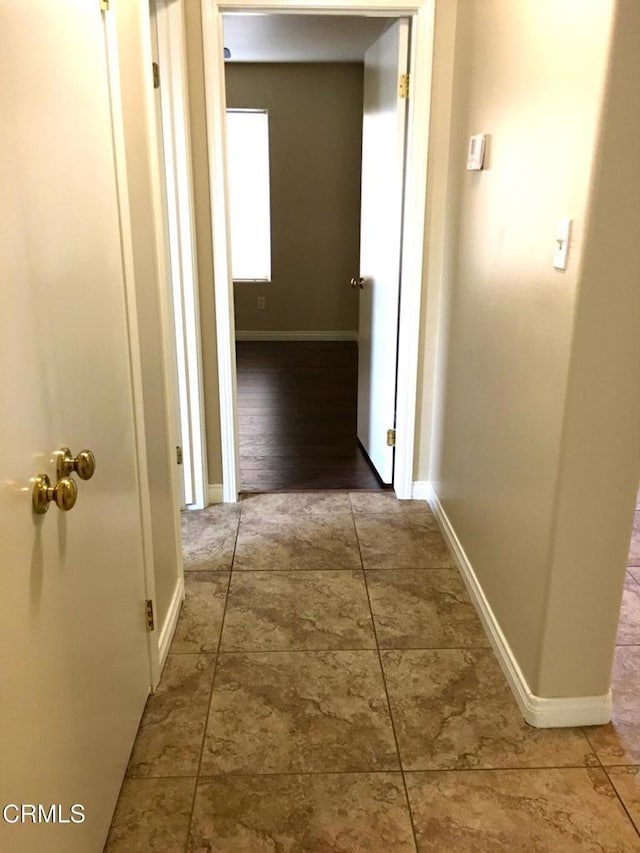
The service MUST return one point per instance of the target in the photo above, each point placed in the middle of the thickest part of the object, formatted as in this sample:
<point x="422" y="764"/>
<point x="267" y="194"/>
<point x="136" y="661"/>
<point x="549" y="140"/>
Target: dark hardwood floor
<point x="297" y="417"/>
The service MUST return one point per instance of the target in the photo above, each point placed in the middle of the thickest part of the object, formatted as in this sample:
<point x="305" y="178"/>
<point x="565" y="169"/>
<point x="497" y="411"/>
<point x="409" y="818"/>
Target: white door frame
<point x="135" y="357"/>
<point x="183" y="261"/>
<point x="421" y="13"/>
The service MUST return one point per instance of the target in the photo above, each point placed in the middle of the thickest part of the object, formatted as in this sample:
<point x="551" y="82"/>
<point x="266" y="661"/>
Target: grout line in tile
<point x="501" y="769"/>
<point x="296" y="571"/>
<point x="351" y="569"/>
<point x="345" y="649"/>
<point x="538" y="768"/>
<point x="285" y="571"/>
<point x="212" y="653"/>
<point x="256" y="518"/>
<point x="294" y="651"/>
<point x="412" y="569"/>
<point x="474" y="648"/>
<point x="604" y="769"/>
<point x="246" y="774"/>
<point x="193" y="654"/>
<point x="386" y="693"/>
<point x="621" y="801"/>
<point x="205" y="571"/>
<point x="156" y="778"/>
<point x="213" y="682"/>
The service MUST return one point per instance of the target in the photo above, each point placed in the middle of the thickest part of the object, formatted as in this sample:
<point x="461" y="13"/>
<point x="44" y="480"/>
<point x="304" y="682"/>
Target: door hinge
<point x="104" y="5"/>
<point x="156" y="75"/>
<point x="151" y="622"/>
<point x="403" y="86"/>
<point x="391" y="438"/>
<point x="179" y="455"/>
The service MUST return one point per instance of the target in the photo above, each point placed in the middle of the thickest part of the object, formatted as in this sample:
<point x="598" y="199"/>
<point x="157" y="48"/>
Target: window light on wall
<point x="249" y="194"/>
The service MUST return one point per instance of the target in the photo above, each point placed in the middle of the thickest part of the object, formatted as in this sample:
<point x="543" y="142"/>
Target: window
<point x="248" y="173"/>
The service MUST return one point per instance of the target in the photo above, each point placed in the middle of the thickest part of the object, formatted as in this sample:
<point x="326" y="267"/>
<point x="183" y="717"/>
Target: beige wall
<point x="535" y="455"/>
<point x="204" y="247"/>
<point x="438" y="228"/>
<point x="315" y="139"/>
<point x="135" y="62"/>
<point x="600" y="448"/>
<point x="534" y="372"/>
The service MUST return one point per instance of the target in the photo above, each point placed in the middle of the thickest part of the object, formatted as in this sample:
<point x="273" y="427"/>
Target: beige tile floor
<point x="330" y="690"/>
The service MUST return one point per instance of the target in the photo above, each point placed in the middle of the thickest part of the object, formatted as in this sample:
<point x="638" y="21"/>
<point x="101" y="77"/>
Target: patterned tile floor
<point x="330" y="690"/>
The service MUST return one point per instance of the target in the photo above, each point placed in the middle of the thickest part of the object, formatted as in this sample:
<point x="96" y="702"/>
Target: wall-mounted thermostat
<point x="475" y="157"/>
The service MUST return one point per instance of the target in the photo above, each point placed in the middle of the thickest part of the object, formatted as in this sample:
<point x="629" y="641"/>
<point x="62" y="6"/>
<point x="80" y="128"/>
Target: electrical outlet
<point x="261" y="303"/>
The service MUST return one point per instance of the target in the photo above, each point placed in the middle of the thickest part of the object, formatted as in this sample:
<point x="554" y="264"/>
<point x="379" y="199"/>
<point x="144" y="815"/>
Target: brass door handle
<point x="84" y="464"/>
<point x="63" y="494"/>
<point x="357" y="282"/>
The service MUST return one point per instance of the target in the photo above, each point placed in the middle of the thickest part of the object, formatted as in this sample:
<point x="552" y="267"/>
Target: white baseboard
<point x="296" y="336"/>
<point x="421" y="490"/>
<point x="168" y="629"/>
<point x="214" y="493"/>
<point x="538" y="711"/>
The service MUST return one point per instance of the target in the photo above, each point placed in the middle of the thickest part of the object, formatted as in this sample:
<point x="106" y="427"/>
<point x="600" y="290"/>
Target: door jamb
<point x="183" y="266"/>
<point x="135" y="358"/>
<point x="414" y="213"/>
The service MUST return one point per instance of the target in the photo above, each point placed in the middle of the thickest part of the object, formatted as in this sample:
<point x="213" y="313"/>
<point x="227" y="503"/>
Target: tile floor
<point x="330" y="690"/>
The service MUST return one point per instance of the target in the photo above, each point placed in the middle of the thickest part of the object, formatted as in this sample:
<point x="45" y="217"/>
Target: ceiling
<point x="300" y="38"/>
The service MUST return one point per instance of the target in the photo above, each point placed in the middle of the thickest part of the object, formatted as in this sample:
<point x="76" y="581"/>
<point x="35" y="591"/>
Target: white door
<point x="74" y="665"/>
<point x="383" y="143"/>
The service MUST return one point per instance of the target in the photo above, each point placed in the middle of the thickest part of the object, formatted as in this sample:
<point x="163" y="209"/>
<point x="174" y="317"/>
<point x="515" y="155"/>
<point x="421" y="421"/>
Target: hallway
<point x="330" y="688"/>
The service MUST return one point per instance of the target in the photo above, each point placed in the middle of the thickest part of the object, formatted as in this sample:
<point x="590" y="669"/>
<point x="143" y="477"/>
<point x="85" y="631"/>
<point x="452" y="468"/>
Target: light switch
<point x="475" y="155"/>
<point x="563" y="236"/>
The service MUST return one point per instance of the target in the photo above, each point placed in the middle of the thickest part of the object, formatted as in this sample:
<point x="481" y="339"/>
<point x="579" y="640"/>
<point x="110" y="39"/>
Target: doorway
<point x="413" y="209"/>
<point x="296" y="313"/>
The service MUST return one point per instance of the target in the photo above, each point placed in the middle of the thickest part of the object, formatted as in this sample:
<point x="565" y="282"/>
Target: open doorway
<point x="316" y="323"/>
<point x="413" y="212"/>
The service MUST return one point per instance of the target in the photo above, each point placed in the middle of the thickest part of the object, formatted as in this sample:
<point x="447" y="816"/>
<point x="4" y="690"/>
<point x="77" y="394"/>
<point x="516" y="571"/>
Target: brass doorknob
<point x="84" y="464"/>
<point x="357" y="282"/>
<point x="63" y="494"/>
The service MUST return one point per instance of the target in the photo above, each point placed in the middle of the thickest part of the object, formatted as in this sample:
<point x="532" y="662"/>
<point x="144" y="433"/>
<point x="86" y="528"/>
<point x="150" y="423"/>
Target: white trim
<point x="538" y="711"/>
<point x="413" y="240"/>
<point x="415" y="196"/>
<point x="183" y="261"/>
<point x="250" y="335"/>
<point x="215" y="493"/>
<point x="212" y="38"/>
<point x="156" y="168"/>
<point x="171" y="620"/>
<point x="421" y="491"/>
<point x="135" y="356"/>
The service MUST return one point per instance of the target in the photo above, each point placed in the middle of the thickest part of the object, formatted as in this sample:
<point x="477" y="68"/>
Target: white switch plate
<point x="475" y="156"/>
<point x="563" y="237"/>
